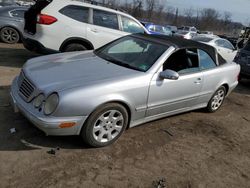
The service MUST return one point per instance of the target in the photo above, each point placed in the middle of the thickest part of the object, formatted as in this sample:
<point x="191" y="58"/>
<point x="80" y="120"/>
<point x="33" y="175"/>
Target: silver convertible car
<point x="130" y="81"/>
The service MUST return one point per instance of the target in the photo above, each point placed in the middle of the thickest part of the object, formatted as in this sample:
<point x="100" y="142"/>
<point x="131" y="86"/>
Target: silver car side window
<point x="206" y="62"/>
<point x="184" y="61"/>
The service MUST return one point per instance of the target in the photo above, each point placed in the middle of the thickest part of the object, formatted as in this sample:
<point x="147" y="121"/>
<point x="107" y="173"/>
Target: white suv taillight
<point x="46" y="19"/>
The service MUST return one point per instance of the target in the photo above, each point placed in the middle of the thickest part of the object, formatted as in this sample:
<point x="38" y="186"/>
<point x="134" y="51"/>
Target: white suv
<point x="70" y="25"/>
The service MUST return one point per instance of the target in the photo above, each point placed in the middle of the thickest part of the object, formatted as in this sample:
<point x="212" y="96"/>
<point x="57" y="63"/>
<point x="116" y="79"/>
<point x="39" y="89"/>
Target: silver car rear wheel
<point x="217" y="99"/>
<point x="9" y="35"/>
<point x="105" y="125"/>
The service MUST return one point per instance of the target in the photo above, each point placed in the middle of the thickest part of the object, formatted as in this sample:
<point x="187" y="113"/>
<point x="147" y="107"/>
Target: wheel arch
<point x="127" y="107"/>
<point x="226" y="87"/>
<point x="123" y="103"/>
<point x="79" y="40"/>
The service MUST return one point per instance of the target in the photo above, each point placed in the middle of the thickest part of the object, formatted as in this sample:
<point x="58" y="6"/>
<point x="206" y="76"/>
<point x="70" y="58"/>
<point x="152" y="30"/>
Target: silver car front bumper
<point x="48" y="124"/>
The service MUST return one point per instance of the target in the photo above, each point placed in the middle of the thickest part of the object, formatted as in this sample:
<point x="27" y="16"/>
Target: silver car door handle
<point x="94" y="30"/>
<point x="198" y="81"/>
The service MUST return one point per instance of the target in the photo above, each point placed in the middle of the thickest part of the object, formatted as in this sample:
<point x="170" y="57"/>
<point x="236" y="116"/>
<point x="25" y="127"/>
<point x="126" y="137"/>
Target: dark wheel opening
<point x="74" y="47"/>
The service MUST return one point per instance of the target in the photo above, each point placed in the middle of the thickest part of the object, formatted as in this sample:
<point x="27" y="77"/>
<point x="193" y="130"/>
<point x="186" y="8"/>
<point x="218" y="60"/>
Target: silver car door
<point x="211" y="76"/>
<point x="174" y="95"/>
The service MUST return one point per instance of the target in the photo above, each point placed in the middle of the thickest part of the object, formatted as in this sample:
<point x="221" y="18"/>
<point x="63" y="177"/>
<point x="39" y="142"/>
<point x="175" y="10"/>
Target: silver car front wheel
<point x="217" y="99"/>
<point x="108" y="126"/>
<point x="105" y="125"/>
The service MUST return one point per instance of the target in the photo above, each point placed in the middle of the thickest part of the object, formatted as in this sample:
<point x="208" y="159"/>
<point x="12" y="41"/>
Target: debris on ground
<point x="13" y="130"/>
<point x="161" y="183"/>
<point x="167" y="131"/>
<point x="53" y="151"/>
<point x="246" y="119"/>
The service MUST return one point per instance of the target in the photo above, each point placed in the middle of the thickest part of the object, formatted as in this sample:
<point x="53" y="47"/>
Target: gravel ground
<point x="191" y="150"/>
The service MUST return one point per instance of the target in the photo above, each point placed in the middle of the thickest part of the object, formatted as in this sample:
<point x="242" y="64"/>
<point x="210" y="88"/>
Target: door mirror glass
<point x="169" y="74"/>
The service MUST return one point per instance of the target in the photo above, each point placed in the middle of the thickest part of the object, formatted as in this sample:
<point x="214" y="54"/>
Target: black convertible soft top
<point x="180" y="43"/>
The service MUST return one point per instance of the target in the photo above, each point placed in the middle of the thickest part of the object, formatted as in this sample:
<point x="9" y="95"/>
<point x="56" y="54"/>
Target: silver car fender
<point x="83" y="101"/>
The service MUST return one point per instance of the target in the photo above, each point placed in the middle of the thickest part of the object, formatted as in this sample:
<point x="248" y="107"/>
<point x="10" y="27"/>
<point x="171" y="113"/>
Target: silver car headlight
<point x="38" y="100"/>
<point x="51" y="103"/>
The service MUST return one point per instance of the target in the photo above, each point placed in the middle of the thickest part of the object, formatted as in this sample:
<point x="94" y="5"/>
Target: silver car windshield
<point x="132" y="52"/>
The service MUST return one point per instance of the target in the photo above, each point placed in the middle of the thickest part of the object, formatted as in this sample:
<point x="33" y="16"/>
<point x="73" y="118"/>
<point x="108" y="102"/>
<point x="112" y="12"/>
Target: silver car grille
<point x="26" y="88"/>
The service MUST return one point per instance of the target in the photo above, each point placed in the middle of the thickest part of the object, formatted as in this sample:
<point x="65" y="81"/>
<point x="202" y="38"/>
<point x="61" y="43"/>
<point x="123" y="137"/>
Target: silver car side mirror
<point x="169" y="74"/>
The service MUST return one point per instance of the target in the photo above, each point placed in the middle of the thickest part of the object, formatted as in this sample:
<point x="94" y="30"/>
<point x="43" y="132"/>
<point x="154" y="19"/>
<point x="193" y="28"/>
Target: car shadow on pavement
<point x="243" y="87"/>
<point x="18" y="134"/>
<point x="15" y="58"/>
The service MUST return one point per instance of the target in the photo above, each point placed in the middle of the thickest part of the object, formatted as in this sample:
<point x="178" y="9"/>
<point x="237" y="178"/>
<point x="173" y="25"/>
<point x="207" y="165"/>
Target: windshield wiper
<point x="117" y="62"/>
<point x="112" y="60"/>
<point x="131" y="67"/>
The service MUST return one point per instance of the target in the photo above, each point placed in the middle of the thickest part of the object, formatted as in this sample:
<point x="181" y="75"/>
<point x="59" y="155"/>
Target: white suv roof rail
<point x="100" y="4"/>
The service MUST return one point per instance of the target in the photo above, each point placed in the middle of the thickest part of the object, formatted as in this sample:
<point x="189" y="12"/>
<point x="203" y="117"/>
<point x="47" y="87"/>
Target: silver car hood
<point x="64" y="71"/>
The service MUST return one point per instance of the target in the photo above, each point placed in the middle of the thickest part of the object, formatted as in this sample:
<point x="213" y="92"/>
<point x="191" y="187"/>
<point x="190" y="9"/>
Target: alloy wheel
<point x="217" y="99"/>
<point x="108" y="126"/>
<point x="9" y="35"/>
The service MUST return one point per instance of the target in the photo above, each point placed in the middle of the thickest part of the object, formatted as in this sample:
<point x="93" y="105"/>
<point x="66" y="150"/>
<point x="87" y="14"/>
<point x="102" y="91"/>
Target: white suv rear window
<point x="78" y="13"/>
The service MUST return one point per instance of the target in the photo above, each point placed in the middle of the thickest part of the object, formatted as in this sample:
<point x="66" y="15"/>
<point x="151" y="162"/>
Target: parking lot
<point x="194" y="149"/>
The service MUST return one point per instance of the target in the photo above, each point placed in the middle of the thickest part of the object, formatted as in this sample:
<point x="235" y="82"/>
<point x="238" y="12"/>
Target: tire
<point x="9" y="35"/>
<point x="217" y="100"/>
<point x="74" y="47"/>
<point x="105" y="125"/>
